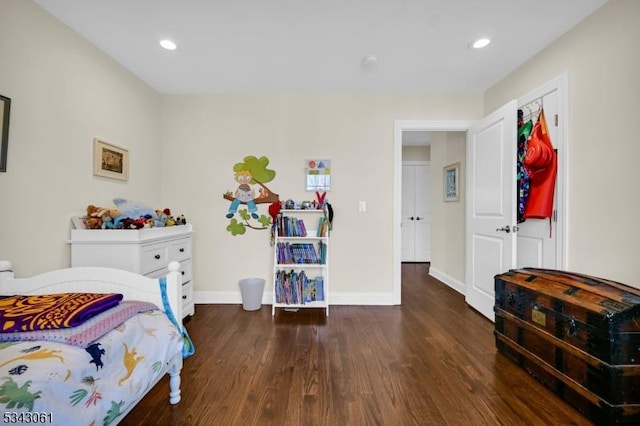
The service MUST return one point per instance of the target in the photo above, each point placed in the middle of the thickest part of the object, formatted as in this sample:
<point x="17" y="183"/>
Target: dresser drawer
<point x="185" y="269"/>
<point x="144" y="251"/>
<point x="187" y="299"/>
<point x="153" y="257"/>
<point x="180" y="250"/>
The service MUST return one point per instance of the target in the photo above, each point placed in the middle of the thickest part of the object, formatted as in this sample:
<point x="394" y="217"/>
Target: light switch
<point x="362" y="206"/>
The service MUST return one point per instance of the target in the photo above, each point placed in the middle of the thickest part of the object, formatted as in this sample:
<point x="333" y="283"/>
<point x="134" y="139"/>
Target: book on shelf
<point x="323" y="227"/>
<point x="289" y="226"/>
<point x="300" y="253"/>
<point x="295" y="288"/>
<point x="318" y="288"/>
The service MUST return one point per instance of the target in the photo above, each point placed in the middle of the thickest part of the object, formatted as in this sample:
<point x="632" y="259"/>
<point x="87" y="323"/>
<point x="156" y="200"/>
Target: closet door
<point x="492" y="246"/>
<point x="537" y="238"/>
<point x="416" y="213"/>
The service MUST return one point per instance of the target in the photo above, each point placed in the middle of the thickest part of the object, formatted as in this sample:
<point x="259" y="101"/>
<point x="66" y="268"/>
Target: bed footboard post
<point x="174" y="380"/>
<point x="6" y="272"/>
<point x="174" y="289"/>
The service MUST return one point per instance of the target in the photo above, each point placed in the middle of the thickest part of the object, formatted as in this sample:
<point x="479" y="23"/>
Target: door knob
<point x="506" y="229"/>
<point x="411" y="218"/>
<point x="418" y="218"/>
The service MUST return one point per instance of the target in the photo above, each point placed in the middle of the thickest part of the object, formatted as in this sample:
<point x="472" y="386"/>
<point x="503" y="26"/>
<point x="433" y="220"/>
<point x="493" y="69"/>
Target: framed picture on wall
<point x="110" y="160"/>
<point x="5" y="108"/>
<point x="451" y="180"/>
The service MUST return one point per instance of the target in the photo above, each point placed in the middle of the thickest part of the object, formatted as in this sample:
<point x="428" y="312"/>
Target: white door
<point x="491" y="206"/>
<point x="416" y="213"/>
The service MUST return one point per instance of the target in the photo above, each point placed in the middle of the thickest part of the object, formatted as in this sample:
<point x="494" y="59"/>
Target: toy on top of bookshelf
<point x="293" y="227"/>
<point x="300" y="205"/>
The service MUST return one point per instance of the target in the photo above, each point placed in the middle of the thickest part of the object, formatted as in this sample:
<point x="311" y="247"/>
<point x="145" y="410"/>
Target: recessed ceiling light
<point x="480" y="43"/>
<point x="168" y="44"/>
<point x="370" y="61"/>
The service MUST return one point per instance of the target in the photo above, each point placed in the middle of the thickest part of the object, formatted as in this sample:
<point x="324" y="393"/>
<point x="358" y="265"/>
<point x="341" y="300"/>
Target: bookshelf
<point x="300" y="259"/>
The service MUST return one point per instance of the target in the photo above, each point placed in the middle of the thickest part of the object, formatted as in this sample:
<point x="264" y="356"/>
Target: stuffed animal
<point x="133" y="209"/>
<point x="138" y="223"/>
<point x="274" y="210"/>
<point x="125" y="223"/>
<point x="93" y="220"/>
<point x="109" y="217"/>
<point x="181" y="220"/>
<point x="162" y="217"/>
<point x="170" y="221"/>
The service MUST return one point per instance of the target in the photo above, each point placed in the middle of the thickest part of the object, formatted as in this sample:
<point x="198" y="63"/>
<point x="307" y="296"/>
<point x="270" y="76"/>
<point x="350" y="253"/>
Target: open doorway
<point x="553" y="96"/>
<point x="401" y="127"/>
<point x="416" y="197"/>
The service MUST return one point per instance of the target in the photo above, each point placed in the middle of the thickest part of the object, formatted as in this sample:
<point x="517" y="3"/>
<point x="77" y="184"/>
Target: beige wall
<point x="603" y="64"/>
<point x="416" y="153"/>
<point x="448" y="218"/>
<point x="64" y="92"/>
<point x="210" y="133"/>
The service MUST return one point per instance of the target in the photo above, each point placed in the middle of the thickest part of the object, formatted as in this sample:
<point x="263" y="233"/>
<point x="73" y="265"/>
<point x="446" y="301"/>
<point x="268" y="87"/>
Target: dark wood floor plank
<point x="430" y="361"/>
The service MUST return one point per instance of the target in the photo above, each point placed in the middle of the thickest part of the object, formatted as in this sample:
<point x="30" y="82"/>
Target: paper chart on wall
<point x="318" y="175"/>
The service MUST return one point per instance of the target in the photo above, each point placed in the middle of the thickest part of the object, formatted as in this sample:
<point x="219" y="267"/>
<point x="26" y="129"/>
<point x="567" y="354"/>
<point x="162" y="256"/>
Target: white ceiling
<point x="311" y="46"/>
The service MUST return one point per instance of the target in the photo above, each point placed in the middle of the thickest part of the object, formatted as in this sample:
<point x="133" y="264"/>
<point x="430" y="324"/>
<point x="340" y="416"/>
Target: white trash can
<point x="251" y="290"/>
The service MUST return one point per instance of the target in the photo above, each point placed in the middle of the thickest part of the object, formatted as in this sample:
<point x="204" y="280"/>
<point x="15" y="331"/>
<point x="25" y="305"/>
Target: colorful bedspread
<point x="92" y="329"/>
<point x="52" y="311"/>
<point x="92" y="385"/>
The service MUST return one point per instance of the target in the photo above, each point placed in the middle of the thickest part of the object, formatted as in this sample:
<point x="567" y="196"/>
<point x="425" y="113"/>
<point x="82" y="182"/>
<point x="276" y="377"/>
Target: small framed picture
<point x="451" y="179"/>
<point x="110" y="160"/>
<point x="5" y="107"/>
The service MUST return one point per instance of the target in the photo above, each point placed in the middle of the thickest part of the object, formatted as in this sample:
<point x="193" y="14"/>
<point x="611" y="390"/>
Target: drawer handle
<point x="182" y="272"/>
<point x="184" y="297"/>
<point x="573" y="328"/>
<point x="157" y="256"/>
<point x="182" y="250"/>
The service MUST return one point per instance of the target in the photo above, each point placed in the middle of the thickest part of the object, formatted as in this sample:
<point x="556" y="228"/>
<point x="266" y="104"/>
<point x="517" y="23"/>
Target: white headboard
<point x="93" y="279"/>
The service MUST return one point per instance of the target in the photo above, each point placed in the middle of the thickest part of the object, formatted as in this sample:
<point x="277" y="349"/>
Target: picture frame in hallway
<point x="451" y="179"/>
<point x="5" y="108"/>
<point x="109" y="160"/>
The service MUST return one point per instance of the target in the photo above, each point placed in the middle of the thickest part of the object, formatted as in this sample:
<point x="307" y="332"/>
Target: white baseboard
<point x="458" y="286"/>
<point x="232" y="297"/>
<point x="355" y="299"/>
<point x="222" y="297"/>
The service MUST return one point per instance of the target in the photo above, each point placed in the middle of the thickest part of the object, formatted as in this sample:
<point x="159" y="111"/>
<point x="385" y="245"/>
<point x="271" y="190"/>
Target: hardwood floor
<point x="431" y="361"/>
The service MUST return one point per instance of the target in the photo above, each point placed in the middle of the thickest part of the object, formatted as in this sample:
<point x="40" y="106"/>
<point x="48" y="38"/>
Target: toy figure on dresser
<point x="162" y="216"/>
<point x="100" y="217"/>
<point x="109" y="217"/>
<point x="129" y="215"/>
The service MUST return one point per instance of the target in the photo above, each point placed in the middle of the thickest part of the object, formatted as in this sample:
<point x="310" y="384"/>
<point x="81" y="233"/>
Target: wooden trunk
<point x="577" y="334"/>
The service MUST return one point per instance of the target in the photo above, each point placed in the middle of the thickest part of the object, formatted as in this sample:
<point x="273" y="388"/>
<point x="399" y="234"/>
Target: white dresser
<point x="145" y="251"/>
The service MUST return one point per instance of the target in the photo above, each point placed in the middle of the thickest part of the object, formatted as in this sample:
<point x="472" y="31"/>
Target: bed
<point x="67" y="377"/>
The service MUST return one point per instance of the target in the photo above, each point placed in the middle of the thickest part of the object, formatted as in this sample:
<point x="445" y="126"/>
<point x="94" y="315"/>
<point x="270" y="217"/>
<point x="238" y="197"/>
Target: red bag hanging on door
<point x="541" y="163"/>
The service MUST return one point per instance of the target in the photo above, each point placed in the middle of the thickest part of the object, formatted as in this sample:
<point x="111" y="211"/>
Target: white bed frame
<point x="107" y="280"/>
